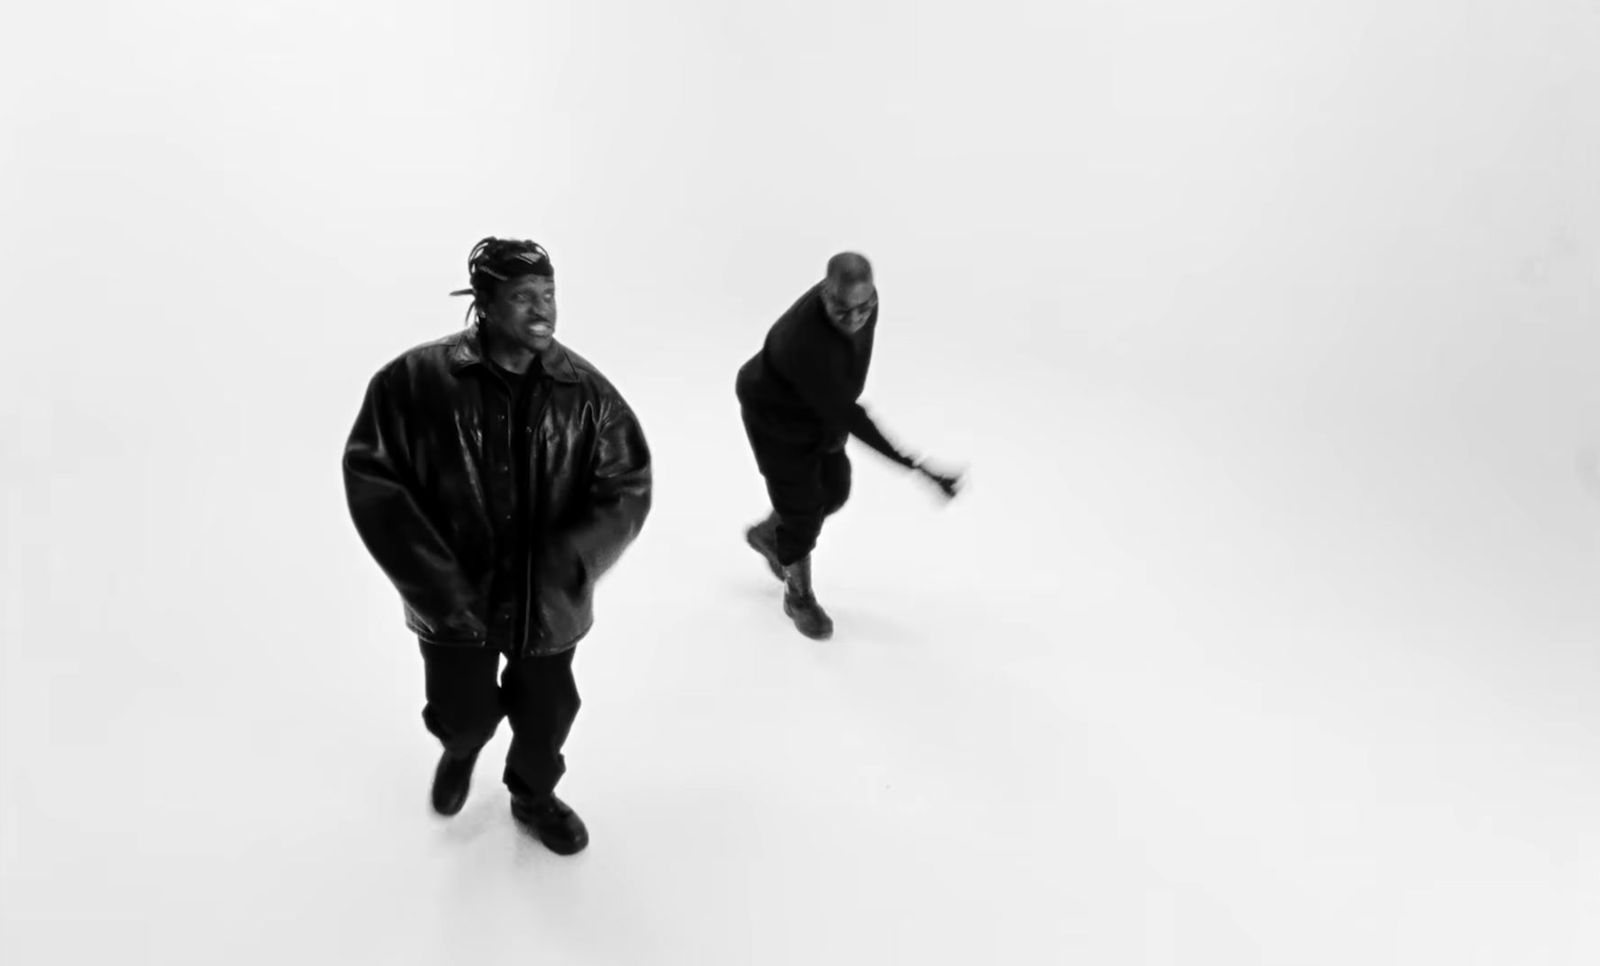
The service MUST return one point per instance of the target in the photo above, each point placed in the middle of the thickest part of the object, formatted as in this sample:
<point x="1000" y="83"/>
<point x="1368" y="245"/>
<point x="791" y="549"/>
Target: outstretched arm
<point x="803" y="365"/>
<point x="813" y="386"/>
<point x="863" y="428"/>
<point x="392" y="524"/>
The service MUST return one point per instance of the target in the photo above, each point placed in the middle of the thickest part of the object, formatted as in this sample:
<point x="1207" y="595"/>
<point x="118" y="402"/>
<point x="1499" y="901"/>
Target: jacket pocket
<point x="461" y="627"/>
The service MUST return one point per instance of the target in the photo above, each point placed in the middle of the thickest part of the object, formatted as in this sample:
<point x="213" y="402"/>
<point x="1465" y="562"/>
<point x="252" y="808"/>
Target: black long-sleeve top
<point x="802" y="388"/>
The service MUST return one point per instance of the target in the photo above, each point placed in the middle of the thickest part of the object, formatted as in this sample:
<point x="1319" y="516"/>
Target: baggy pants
<point x="805" y="487"/>
<point x="537" y="695"/>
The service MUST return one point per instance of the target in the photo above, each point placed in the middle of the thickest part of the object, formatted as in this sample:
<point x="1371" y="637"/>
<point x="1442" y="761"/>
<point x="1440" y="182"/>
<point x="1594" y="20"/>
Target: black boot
<point x="553" y="821"/>
<point x="763" y="537"/>
<point x="451" y="780"/>
<point x="800" y="603"/>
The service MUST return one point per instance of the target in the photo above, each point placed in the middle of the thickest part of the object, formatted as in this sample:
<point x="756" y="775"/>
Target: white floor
<point x="1207" y="690"/>
<point x="1268" y="631"/>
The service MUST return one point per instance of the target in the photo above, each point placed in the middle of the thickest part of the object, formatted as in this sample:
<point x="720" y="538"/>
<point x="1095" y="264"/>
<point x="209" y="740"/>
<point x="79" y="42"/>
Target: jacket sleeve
<point x="863" y="428"/>
<point x="397" y="532"/>
<point x="619" y="494"/>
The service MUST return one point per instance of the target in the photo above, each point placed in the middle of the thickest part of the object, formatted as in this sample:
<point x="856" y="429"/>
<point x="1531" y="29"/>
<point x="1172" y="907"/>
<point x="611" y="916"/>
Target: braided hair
<point x="495" y="260"/>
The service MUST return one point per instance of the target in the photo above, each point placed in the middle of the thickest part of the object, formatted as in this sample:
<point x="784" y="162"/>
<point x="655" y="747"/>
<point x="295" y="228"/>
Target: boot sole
<point x="822" y="635"/>
<point x="559" y="846"/>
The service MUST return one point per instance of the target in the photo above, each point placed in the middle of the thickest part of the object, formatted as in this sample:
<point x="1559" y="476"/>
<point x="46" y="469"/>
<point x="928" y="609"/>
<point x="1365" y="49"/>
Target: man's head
<point x="848" y="294"/>
<point x="514" y="293"/>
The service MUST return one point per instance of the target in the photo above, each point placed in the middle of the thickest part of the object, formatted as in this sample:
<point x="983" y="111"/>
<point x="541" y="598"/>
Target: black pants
<point x="538" y="695"/>
<point x="806" y="486"/>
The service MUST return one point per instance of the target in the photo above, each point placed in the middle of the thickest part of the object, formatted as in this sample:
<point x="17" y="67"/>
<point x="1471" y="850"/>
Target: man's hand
<point x="948" y="483"/>
<point x="558" y="562"/>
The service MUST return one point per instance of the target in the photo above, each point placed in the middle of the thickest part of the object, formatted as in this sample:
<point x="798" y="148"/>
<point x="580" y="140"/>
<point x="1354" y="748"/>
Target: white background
<point x="1269" y="628"/>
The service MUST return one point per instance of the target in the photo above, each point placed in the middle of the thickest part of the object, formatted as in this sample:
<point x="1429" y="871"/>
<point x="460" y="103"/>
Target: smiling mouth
<point x="543" y="328"/>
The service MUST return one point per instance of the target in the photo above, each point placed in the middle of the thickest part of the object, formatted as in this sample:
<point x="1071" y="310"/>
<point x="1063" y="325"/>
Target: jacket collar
<point x="466" y="349"/>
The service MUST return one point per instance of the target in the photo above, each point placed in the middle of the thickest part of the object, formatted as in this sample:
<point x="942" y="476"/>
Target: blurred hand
<point x="948" y="483"/>
<point x="557" y="562"/>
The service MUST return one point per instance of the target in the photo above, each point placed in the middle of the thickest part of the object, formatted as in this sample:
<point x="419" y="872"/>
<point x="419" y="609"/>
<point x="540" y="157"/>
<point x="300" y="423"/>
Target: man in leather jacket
<point x="495" y="476"/>
<point x="798" y="399"/>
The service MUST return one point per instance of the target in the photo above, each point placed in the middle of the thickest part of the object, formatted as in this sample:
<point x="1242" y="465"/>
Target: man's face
<point x="849" y="308"/>
<point x="522" y="313"/>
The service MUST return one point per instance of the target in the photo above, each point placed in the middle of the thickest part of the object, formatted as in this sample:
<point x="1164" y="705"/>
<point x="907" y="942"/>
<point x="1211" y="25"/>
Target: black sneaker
<point x="554" y="822"/>
<point x="451" y="781"/>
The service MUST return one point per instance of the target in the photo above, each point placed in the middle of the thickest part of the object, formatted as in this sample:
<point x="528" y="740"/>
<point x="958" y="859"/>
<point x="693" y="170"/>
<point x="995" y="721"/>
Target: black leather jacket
<point x="414" y="472"/>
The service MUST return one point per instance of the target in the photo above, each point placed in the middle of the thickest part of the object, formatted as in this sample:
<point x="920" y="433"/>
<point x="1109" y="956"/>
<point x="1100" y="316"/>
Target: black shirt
<point x="512" y="406"/>
<point x="804" y="385"/>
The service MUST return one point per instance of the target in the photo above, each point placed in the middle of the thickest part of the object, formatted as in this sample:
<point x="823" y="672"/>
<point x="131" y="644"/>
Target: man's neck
<point x="517" y="359"/>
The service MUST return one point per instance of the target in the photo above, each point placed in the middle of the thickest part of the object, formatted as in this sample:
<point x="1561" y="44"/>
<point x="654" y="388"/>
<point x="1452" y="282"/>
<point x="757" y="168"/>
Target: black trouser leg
<point x="805" y="484"/>
<point x="835" y="482"/>
<point x="541" y="701"/>
<point x="463" y="698"/>
<point x="805" y="493"/>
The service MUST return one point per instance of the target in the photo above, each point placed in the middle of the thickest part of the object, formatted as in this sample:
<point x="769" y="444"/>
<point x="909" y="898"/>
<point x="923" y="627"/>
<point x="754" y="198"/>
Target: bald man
<point x="798" y="397"/>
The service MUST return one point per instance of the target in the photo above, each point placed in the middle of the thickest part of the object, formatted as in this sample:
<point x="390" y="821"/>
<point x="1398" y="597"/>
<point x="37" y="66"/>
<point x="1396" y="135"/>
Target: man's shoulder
<point x="798" y="323"/>
<point x="806" y="308"/>
<point x="435" y="351"/>
<point x="574" y="367"/>
<point x="435" y="354"/>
